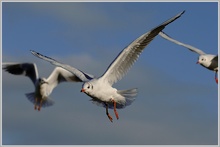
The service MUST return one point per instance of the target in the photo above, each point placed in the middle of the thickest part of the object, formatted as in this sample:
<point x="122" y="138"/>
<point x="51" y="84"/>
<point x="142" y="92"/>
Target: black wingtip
<point x="183" y="11"/>
<point x="39" y="55"/>
<point x="172" y="19"/>
<point x="33" y="52"/>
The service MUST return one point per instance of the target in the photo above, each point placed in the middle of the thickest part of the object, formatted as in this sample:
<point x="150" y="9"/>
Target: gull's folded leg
<point x="116" y="113"/>
<point x="110" y="118"/>
<point x="35" y="104"/>
<point x="216" y="78"/>
<point x="41" y="101"/>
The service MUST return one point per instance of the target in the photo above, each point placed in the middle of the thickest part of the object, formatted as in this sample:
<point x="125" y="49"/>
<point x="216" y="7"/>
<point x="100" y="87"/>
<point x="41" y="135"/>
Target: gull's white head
<point x="205" y="60"/>
<point x="87" y="88"/>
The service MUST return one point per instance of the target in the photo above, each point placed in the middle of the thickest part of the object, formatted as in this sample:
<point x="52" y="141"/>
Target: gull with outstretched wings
<point x="100" y="89"/>
<point x="208" y="61"/>
<point x="43" y="86"/>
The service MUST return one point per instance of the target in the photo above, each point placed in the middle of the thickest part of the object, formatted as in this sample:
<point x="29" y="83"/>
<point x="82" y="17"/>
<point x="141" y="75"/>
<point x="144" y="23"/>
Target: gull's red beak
<point x="197" y="62"/>
<point x="82" y="90"/>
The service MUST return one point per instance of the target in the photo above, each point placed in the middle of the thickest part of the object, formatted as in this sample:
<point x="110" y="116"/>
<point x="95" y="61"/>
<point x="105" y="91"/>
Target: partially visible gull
<point x="43" y="86"/>
<point x="208" y="61"/>
<point x="100" y="89"/>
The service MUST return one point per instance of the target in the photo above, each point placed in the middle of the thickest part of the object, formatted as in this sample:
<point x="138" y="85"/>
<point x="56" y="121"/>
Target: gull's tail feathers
<point x="36" y="101"/>
<point x="129" y="95"/>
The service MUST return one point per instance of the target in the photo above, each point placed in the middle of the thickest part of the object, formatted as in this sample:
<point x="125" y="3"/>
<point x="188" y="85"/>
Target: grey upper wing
<point x="215" y="59"/>
<point x="61" y="75"/>
<point x="126" y="58"/>
<point x="191" y="48"/>
<point x="81" y="76"/>
<point x="26" y="69"/>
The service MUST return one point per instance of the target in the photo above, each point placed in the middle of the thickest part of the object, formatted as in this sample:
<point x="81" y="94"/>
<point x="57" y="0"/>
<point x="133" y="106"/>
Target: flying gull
<point x="43" y="86"/>
<point x="100" y="89"/>
<point x="208" y="61"/>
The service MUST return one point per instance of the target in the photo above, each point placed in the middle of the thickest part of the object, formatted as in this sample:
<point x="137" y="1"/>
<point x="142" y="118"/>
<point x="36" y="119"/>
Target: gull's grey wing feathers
<point x="191" y="48"/>
<point x="214" y="64"/>
<point x="61" y="75"/>
<point x="126" y="58"/>
<point x="26" y="69"/>
<point x="215" y="59"/>
<point x="82" y="76"/>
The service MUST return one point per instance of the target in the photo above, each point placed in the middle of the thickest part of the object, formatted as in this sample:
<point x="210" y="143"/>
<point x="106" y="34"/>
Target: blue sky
<point x="177" y="101"/>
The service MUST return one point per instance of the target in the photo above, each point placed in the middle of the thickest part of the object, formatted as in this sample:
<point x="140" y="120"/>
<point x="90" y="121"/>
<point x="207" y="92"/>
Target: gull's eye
<point x="88" y="87"/>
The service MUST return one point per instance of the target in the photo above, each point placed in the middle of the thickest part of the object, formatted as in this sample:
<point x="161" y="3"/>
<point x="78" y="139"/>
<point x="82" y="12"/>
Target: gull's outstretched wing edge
<point x="126" y="58"/>
<point x="191" y="48"/>
<point x="83" y="77"/>
<point x="26" y="69"/>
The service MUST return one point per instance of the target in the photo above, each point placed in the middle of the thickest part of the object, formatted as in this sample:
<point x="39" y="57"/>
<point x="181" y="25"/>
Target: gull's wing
<point x="191" y="48"/>
<point x="215" y="59"/>
<point x="61" y="75"/>
<point x="214" y="64"/>
<point x="126" y="58"/>
<point x="83" y="77"/>
<point x="26" y="69"/>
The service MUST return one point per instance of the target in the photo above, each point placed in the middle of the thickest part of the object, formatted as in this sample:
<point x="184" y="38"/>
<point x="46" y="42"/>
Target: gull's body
<point x="43" y="86"/>
<point x="208" y="61"/>
<point x="100" y="89"/>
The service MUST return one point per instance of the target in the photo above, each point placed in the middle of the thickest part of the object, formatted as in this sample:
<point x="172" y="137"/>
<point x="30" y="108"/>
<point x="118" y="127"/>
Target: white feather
<point x="191" y="48"/>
